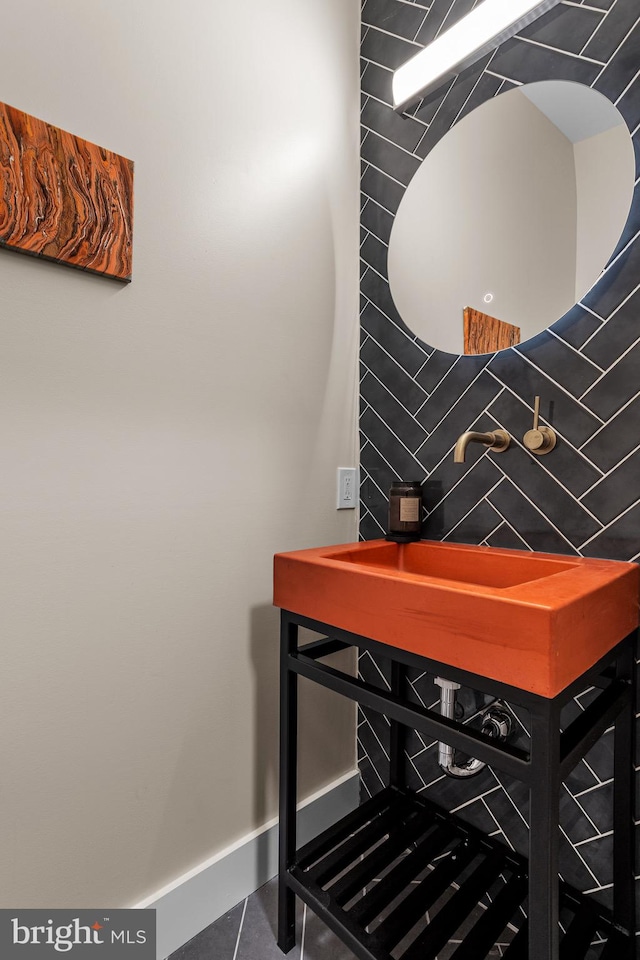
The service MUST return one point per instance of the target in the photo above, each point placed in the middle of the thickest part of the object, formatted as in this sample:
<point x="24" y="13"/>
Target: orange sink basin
<point x="534" y="620"/>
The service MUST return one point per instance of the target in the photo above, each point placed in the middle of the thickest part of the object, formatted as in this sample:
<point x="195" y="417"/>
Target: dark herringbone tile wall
<point x="415" y="400"/>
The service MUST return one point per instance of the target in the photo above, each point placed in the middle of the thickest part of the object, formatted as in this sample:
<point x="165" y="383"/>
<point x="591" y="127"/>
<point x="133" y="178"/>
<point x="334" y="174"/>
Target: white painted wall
<point x="160" y="441"/>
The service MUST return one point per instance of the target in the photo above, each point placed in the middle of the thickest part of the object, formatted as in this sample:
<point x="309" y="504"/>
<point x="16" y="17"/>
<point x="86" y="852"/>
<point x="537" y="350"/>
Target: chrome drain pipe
<point x="496" y="724"/>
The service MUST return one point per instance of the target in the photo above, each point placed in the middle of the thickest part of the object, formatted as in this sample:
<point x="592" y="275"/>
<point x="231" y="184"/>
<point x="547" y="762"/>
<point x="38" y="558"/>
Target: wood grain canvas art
<point x="64" y="198"/>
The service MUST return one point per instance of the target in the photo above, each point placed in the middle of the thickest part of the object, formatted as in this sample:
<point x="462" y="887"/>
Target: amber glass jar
<point x="405" y="511"/>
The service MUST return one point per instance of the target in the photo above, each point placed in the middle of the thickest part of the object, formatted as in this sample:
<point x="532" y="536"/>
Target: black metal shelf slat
<point x="448" y="919"/>
<point x="377" y="899"/>
<point x="518" y="949"/>
<point x="358" y="843"/>
<point x="405" y="916"/>
<point x="395" y="821"/>
<point x="619" y="947"/>
<point x="358" y="818"/>
<point x="493" y="921"/>
<point x="367" y="869"/>
<point x="580" y="933"/>
<point x="352" y="934"/>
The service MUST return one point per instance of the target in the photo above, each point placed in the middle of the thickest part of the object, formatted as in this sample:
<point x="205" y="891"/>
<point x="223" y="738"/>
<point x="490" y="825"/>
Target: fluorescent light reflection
<point x="480" y="31"/>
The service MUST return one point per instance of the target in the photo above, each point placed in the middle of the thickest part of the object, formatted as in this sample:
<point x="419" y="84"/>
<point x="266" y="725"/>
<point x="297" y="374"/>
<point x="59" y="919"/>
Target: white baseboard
<point x="193" y="901"/>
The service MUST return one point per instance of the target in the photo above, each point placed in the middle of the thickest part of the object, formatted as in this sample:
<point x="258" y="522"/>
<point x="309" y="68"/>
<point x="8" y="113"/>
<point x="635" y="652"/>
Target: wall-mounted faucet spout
<point x="496" y="440"/>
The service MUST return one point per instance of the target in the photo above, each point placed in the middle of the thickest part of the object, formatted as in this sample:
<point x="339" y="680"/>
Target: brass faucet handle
<point x="539" y="440"/>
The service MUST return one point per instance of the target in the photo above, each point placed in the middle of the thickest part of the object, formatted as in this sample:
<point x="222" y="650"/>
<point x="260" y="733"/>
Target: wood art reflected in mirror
<point x="486" y="334"/>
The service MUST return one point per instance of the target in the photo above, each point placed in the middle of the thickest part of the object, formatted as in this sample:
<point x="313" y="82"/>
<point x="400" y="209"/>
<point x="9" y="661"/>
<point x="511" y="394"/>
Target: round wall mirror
<point x="512" y="217"/>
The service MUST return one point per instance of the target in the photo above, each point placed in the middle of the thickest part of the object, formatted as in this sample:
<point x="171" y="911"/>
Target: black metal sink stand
<point x="404" y="834"/>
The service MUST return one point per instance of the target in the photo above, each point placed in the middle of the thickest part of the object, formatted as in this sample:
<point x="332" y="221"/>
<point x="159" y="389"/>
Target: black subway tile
<point x="512" y="825"/>
<point x="435" y="368"/>
<point x="369" y="530"/>
<point x="376" y="289"/>
<point x="405" y="131"/>
<point x="450" y="389"/>
<point x="617" y="491"/>
<point x="619" y="280"/>
<point x="629" y="104"/>
<point x="632" y="225"/>
<point x="525" y="62"/>
<point x="376" y="82"/>
<point x="598" y="855"/>
<point x="471" y="489"/>
<point x="389" y="158"/>
<point x="387" y="371"/>
<point x="390" y="447"/>
<point x="612" y="31"/>
<point x="426" y="109"/>
<point x="576" y="326"/>
<point x="561" y="363"/>
<point x="377" y="468"/>
<point x="571" y="419"/>
<point x="620" y="540"/>
<point x="573" y="870"/>
<point x="476" y="526"/>
<point x="441" y="481"/>
<point x="617" y="439"/>
<point x="399" y="18"/>
<point x="563" y="511"/>
<point x="580" y="778"/>
<point x="374" y="254"/>
<point x="382" y="188"/>
<point x="612" y="391"/>
<point x="442" y="15"/>
<point x="598" y="805"/>
<point x="456" y="421"/>
<point x="404" y="350"/>
<point x="388" y="51"/>
<point x="377" y="220"/>
<point x="617" y="76"/>
<point x="616" y="335"/>
<point x="387" y="406"/>
<point x="566" y="28"/>
<point x="565" y="463"/>
<point x="506" y="538"/>
<point x="528" y="521"/>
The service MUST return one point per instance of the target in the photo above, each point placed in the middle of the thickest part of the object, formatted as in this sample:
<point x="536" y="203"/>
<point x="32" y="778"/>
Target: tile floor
<point x="248" y="932"/>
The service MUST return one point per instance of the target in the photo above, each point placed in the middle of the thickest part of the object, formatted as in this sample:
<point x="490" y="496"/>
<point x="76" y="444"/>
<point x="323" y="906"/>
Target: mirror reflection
<point x="512" y="217"/>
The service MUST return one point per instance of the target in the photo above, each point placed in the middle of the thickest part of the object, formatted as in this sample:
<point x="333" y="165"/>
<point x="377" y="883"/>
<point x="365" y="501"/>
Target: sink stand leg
<point x="624" y="798"/>
<point x="544" y="810"/>
<point x="288" y="784"/>
<point x="397" y="766"/>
